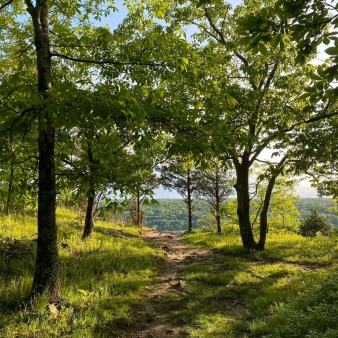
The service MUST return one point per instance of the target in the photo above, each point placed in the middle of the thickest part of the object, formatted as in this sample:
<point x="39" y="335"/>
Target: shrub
<point x="313" y="224"/>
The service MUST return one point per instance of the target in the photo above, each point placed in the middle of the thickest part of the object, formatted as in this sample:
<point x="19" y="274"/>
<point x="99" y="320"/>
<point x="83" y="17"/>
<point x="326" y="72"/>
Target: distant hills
<point x="171" y="214"/>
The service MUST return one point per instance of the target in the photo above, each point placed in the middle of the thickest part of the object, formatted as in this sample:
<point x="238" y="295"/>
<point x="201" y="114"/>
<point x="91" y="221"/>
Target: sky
<point x="303" y="189"/>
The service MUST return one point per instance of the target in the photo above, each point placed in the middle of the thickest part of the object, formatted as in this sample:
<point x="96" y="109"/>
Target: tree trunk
<point x="46" y="278"/>
<point x="218" y="204"/>
<point x="263" y="221"/>
<point x="263" y="218"/>
<point x="219" y="228"/>
<point x="189" y="204"/>
<point x="243" y="200"/>
<point x="89" y="221"/>
<point x="10" y="190"/>
<point x="90" y="212"/>
<point x="138" y="216"/>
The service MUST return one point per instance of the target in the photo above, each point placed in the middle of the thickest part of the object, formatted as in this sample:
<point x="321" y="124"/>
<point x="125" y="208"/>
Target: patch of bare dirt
<point x="154" y="318"/>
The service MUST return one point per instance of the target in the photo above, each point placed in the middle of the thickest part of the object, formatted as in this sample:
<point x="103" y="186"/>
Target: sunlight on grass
<point x="101" y="278"/>
<point x="259" y="291"/>
<point x="212" y="326"/>
<point x="288" y="290"/>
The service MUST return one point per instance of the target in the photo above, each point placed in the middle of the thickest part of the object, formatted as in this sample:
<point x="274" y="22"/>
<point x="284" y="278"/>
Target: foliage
<point x="324" y="206"/>
<point x="136" y="213"/>
<point x="170" y="214"/>
<point x="315" y="223"/>
<point x="179" y="174"/>
<point x="214" y="186"/>
<point x="282" y="212"/>
<point x="311" y="25"/>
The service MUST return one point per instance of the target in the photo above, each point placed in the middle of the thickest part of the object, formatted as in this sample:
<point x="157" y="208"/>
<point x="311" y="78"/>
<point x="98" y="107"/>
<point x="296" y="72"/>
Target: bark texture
<point x="243" y="207"/>
<point x="90" y="214"/>
<point x="46" y="277"/>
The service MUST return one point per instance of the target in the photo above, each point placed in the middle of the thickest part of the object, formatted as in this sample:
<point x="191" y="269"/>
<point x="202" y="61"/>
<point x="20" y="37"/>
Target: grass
<point x="101" y="278"/>
<point x="290" y="290"/>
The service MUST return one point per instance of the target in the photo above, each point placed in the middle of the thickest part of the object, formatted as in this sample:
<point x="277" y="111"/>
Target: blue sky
<point x="303" y="189"/>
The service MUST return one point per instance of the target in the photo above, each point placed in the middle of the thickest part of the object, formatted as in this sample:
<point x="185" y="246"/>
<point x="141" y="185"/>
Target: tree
<point x="179" y="175"/>
<point x="214" y="186"/>
<point x="149" y="183"/>
<point x="88" y="166"/>
<point x="311" y="25"/>
<point x="18" y="174"/>
<point x="282" y="214"/>
<point x="49" y="100"/>
<point x="313" y="224"/>
<point x="254" y="103"/>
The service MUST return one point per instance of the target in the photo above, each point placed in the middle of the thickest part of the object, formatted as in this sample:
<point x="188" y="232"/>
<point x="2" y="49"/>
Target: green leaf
<point x="185" y="61"/>
<point x="217" y="2"/>
<point x="263" y="49"/>
<point x="332" y="51"/>
<point x="85" y="293"/>
<point x="231" y="101"/>
<point x="201" y="3"/>
<point x="315" y="77"/>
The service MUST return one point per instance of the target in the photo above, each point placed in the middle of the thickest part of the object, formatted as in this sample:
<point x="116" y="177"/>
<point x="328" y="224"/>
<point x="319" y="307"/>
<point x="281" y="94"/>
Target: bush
<point x="313" y="224"/>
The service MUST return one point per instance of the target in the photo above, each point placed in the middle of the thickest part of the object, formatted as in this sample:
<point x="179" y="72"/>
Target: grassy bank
<point x="101" y="278"/>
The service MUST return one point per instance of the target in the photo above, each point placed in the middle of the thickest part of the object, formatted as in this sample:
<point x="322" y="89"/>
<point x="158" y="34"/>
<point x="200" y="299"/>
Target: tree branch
<point x="117" y="63"/>
<point x="6" y="4"/>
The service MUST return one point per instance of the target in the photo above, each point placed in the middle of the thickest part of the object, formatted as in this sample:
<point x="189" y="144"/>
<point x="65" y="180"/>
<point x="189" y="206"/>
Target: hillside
<point x="171" y="214"/>
<point x="126" y="283"/>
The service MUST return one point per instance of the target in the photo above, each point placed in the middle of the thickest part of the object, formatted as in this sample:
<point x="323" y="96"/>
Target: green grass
<point x="290" y="290"/>
<point x="101" y="278"/>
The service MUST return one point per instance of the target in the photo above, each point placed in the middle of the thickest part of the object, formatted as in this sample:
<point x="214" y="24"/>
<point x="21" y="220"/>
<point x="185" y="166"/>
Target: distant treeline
<point x="171" y="214"/>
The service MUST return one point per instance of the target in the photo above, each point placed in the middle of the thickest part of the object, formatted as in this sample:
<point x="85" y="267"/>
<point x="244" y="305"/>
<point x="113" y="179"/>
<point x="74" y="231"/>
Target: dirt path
<point x="153" y="318"/>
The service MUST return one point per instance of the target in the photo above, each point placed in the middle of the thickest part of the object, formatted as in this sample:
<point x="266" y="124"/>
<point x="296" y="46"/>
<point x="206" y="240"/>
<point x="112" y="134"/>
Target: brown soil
<point x="154" y="317"/>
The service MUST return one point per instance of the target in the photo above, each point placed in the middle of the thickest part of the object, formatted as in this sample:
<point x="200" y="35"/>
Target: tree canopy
<point x="92" y="111"/>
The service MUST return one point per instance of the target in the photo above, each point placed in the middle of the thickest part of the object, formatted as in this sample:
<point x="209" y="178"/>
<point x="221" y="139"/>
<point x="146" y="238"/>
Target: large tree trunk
<point x="46" y="278"/>
<point x="90" y="214"/>
<point x="243" y="200"/>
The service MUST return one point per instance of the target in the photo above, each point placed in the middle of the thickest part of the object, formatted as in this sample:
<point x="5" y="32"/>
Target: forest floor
<point x="155" y="316"/>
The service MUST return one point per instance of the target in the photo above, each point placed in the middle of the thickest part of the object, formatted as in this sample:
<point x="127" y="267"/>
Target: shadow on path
<point x="155" y="316"/>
